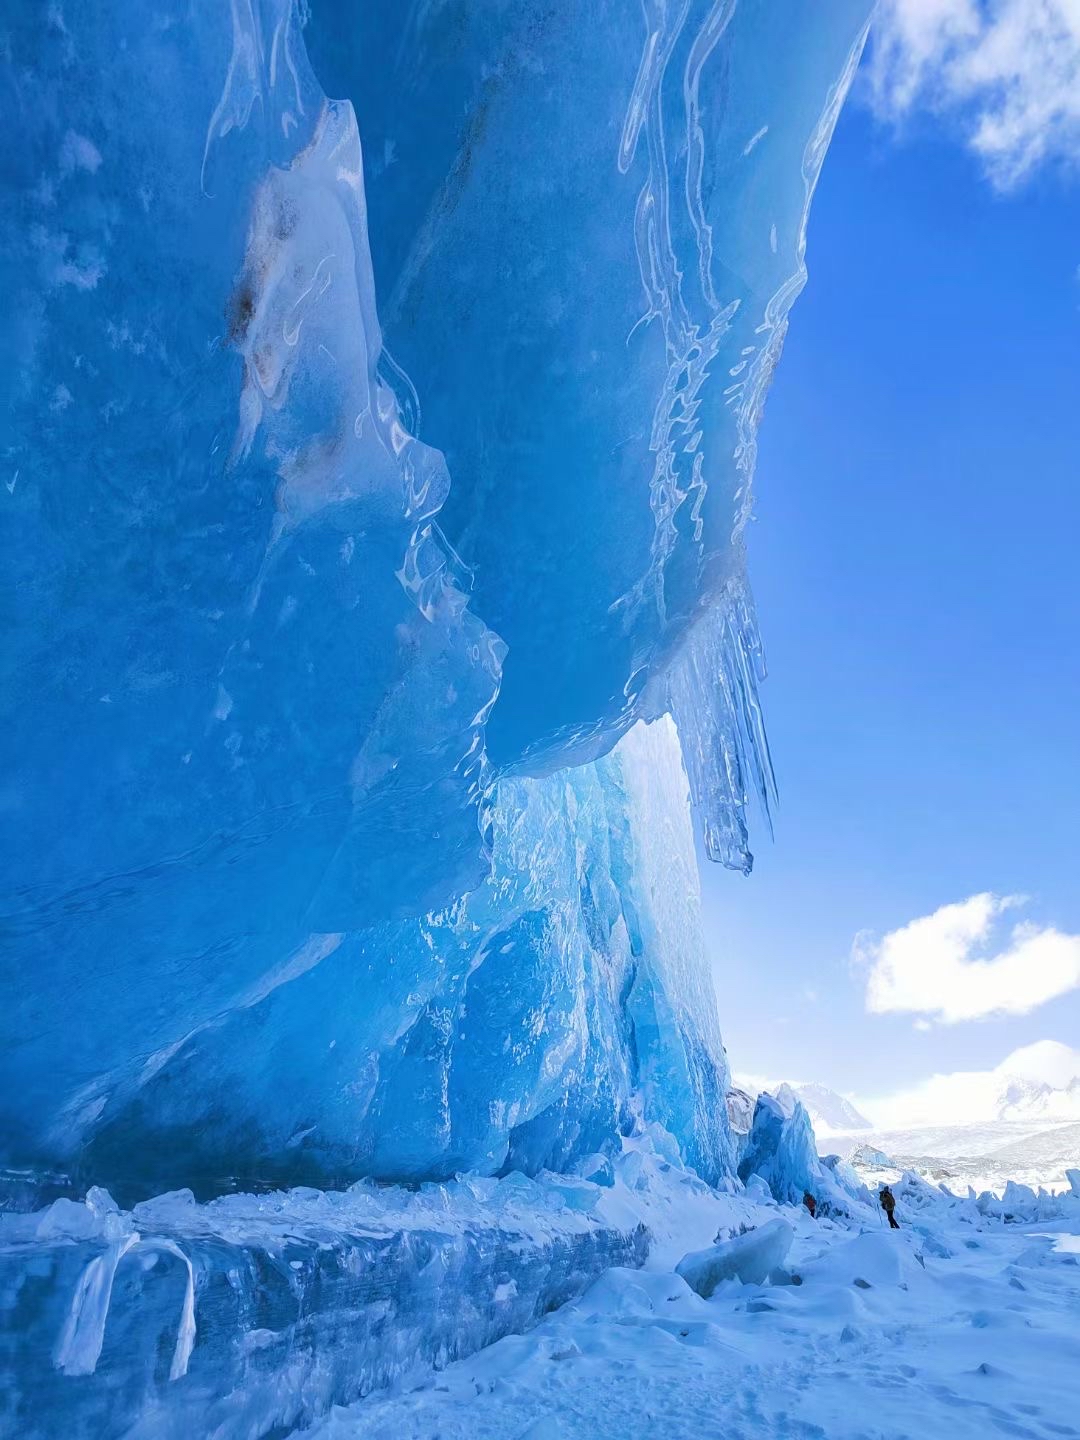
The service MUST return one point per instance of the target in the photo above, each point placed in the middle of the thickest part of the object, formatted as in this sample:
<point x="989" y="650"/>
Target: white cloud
<point x="1008" y="71"/>
<point x="938" y="966"/>
<point x="1010" y="1090"/>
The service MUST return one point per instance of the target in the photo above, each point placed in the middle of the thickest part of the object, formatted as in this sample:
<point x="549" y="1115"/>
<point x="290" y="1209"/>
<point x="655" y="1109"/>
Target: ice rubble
<point x="261" y="762"/>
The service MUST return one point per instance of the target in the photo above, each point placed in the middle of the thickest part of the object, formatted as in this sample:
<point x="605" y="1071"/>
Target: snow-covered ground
<point x="958" y="1325"/>
<point x="251" y="1316"/>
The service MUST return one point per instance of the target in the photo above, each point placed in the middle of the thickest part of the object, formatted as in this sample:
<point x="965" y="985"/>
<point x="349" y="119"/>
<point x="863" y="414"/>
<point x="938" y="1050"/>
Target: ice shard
<point x="356" y="502"/>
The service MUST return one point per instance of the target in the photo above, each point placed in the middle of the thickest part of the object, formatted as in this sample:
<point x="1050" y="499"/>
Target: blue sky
<point x="915" y="561"/>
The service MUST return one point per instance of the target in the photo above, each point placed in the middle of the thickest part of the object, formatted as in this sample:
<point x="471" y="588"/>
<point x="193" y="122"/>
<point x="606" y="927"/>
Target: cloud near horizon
<point x="937" y="967"/>
<point x="969" y="1096"/>
<point x="1006" y="71"/>
<point x="959" y="1097"/>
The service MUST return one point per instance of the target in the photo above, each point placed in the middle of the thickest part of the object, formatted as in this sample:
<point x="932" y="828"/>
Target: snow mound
<point x="874" y="1260"/>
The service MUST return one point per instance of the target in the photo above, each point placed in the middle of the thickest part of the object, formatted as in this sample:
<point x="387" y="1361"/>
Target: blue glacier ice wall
<point x="522" y="1027"/>
<point x="245" y="696"/>
<point x="780" y="1148"/>
<point x="264" y="796"/>
<point x="589" y="227"/>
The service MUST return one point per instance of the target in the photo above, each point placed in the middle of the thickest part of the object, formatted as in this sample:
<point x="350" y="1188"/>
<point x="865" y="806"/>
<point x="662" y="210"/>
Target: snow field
<point x="962" y="1327"/>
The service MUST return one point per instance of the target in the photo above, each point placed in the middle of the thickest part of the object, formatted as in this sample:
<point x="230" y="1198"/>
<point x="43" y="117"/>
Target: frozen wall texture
<point x="781" y="1149"/>
<point x="523" y="1027"/>
<point x="248" y="1317"/>
<point x="296" y="883"/>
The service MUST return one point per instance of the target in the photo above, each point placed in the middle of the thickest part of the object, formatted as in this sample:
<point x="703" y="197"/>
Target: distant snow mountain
<point x="1026" y="1099"/>
<point x="829" y="1111"/>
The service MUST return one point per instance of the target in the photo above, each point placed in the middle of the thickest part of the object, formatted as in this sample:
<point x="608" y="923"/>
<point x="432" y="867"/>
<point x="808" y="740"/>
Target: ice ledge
<point x="254" y="1314"/>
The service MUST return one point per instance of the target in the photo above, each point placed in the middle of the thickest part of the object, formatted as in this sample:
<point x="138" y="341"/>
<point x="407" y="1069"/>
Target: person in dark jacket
<point x="888" y="1204"/>
<point x="810" y="1203"/>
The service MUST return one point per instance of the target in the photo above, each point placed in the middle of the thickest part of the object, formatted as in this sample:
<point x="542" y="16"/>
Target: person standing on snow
<point x="888" y="1204"/>
<point x="810" y="1203"/>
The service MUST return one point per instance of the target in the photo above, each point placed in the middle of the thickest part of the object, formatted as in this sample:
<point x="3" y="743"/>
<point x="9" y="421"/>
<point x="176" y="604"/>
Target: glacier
<point x="524" y="1027"/>
<point x="279" y="695"/>
<point x="780" y="1149"/>
<point x="376" y="474"/>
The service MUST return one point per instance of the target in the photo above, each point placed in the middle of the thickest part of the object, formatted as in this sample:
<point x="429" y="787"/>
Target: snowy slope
<point x="938" y="1141"/>
<point x="1052" y="1149"/>
<point x="955" y="1326"/>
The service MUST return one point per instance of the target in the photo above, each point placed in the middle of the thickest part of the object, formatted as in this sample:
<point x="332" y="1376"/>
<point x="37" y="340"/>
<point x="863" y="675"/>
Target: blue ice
<point x="357" y="501"/>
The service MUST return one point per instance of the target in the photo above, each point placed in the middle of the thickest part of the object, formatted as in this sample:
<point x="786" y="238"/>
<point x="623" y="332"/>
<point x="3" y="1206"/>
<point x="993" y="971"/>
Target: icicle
<point x="711" y="691"/>
<point x="185" y="1335"/>
<point x="83" y="1335"/>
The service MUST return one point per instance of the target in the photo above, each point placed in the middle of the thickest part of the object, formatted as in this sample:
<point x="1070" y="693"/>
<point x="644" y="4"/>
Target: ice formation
<point x="522" y="1027"/>
<point x="749" y="1258"/>
<point x="781" y="1150"/>
<point x="251" y="1315"/>
<point x="282" y="900"/>
<point x="376" y="612"/>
